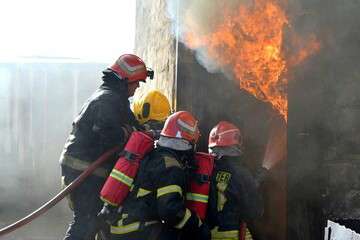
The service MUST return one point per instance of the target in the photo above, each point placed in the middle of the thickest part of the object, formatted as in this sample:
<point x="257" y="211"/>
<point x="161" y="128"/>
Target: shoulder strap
<point x="170" y="158"/>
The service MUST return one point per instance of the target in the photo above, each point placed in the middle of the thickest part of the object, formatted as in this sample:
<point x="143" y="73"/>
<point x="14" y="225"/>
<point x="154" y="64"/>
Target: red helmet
<point x="181" y="125"/>
<point x="225" y="134"/>
<point x="131" y="67"/>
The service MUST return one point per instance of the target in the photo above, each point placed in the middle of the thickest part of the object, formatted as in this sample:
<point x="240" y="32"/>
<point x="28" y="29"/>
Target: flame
<point x="249" y="42"/>
<point x="311" y="45"/>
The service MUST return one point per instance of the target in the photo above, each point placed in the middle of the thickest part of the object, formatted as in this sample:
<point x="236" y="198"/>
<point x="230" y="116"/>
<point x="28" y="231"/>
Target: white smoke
<point x="200" y="18"/>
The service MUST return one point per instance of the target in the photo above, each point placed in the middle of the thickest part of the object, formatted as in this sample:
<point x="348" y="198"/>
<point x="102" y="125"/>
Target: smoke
<point x="329" y="76"/>
<point x="201" y="18"/>
<point x="38" y="101"/>
<point x="245" y="41"/>
<point x="324" y="104"/>
<point x="323" y="108"/>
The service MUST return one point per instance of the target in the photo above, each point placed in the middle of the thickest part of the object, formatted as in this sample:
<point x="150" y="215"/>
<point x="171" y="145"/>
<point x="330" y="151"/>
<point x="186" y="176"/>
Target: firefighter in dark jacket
<point x="234" y="196"/>
<point x="155" y="207"/>
<point x="105" y="121"/>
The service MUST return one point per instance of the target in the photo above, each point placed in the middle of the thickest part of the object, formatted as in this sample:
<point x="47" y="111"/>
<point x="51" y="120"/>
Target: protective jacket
<point x="234" y="198"/>
<point x="105" y="121"/>
<point x="155" y="207"/>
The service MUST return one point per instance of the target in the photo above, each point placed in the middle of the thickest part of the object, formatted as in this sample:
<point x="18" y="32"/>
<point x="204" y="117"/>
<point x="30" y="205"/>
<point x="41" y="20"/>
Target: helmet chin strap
<point x="175" y="143"/>
<point x="230" y="151"/>
<point x="115" y="75"/>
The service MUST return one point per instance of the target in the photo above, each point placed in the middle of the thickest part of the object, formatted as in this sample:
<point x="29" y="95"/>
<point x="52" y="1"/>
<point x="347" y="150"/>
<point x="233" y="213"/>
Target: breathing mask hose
<point x="74" y="184"/>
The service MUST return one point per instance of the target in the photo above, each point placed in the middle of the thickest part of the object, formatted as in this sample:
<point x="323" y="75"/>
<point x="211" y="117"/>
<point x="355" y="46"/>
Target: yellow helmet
<point x="152" y="106"/>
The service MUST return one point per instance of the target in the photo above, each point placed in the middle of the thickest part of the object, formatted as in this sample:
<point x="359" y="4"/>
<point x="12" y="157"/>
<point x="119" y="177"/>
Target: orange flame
<point x="250" y="43"/>
<point x="311" y="45"/>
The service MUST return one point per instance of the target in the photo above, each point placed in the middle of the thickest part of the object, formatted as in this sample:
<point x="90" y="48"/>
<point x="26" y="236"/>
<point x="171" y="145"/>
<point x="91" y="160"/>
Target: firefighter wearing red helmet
<point x="155" y="207"/>
<point x="234" y="197"/>
<point x="105" y="121"/>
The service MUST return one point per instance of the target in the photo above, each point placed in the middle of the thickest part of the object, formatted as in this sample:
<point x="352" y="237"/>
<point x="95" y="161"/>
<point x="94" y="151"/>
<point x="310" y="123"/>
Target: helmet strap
<point x="229" y="151"/>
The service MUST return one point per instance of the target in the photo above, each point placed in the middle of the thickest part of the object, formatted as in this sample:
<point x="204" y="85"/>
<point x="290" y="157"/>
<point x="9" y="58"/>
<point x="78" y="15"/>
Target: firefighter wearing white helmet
<point x="105" y="121"/>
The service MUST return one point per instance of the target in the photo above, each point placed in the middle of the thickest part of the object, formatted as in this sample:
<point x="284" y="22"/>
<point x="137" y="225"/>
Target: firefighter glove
<point x="260" y="175"/>
<point x="109" y="214"/>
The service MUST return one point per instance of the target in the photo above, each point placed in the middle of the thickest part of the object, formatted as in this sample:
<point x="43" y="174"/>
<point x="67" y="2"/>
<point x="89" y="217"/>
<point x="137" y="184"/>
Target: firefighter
<point x="234" y="198"/>
<point x="151" y="110"/>
<point x="155" y="207"/>
<point x="105" y="121"/>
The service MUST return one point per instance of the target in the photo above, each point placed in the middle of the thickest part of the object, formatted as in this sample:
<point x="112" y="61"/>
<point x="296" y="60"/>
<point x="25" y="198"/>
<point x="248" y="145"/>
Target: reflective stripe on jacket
<point x="234" y="197"/>
<point x="158" y="195"/>
<point x="81" y="165"/>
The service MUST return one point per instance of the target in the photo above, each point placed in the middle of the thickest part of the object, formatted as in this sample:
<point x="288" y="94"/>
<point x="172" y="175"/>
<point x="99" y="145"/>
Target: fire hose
<point x="68" y="189"/>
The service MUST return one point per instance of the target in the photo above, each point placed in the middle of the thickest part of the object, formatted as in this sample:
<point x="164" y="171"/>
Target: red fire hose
<point x="74" y="184"/>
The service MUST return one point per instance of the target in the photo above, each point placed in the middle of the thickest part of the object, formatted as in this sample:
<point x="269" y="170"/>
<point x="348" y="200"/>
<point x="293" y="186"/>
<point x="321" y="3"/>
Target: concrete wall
<point x="155" y="43"/>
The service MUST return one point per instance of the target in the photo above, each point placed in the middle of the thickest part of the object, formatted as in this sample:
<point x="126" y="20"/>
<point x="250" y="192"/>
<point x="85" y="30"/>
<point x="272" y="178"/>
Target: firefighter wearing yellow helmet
<point x="152" y="109"/>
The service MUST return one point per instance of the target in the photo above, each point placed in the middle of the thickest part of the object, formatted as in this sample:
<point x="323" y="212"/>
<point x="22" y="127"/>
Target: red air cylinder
<point x="198" y="195"/>
<point x="118" y="184"/>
